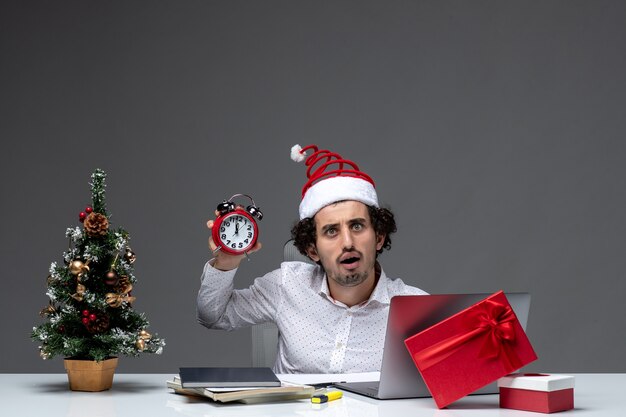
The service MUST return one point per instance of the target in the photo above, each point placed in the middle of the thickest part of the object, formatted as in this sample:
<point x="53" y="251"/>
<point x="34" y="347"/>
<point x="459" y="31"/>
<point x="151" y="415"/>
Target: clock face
<point x="236" y="232"/>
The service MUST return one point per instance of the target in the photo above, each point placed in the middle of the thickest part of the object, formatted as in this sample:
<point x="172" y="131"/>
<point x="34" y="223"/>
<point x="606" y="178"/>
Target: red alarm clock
<point x="235" y="230"/>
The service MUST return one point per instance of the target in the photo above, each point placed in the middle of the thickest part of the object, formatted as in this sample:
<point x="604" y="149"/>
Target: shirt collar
<point x="381" y="291"/>
<point x="322" y="283"/>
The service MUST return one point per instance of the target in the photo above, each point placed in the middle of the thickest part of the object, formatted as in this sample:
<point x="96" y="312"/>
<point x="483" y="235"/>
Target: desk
<point x="145" y="395"/>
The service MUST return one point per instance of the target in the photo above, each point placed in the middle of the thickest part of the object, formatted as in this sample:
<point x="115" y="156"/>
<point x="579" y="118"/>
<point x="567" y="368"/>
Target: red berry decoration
<point x="82" y="216"/>
<point x="85" y="320"/>
<point x="92" y="317"/>
<point x="85" y="313"/>
<point x="88" y="209"/>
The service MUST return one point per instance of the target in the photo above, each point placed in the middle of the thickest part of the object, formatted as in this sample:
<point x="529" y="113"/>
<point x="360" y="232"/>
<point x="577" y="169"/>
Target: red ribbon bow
<point x="493" y="323"/>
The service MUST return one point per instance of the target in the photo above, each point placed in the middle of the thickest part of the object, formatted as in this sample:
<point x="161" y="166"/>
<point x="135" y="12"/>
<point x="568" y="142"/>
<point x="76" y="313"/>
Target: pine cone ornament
<point x="96" y="225"/>
<point x="99" y="325"/>
<point x="123" y="285"/>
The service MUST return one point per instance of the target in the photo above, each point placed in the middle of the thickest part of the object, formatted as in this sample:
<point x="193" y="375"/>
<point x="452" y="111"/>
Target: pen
<point x="329" y="396"/>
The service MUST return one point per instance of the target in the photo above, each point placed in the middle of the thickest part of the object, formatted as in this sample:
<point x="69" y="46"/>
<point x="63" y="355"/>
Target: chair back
<point x="265" y="336"/>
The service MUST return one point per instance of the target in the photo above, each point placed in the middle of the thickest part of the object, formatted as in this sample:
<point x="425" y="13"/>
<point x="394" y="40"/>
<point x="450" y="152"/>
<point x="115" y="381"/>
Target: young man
<point x="331" y="316"/>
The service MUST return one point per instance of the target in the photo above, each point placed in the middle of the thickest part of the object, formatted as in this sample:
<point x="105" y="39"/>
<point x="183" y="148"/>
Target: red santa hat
<point x="331" y="178"/>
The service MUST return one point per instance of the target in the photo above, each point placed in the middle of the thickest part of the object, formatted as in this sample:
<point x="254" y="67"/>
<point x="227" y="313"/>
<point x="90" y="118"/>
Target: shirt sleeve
<point x="220" y="306"/>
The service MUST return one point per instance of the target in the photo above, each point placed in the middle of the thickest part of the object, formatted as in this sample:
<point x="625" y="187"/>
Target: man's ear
<point x="312" y="253"/>
<point x="380" y="241"/>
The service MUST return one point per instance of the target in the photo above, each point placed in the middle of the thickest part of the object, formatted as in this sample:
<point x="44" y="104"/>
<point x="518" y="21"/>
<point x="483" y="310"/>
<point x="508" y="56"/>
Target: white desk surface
<point x="145" y="395"/>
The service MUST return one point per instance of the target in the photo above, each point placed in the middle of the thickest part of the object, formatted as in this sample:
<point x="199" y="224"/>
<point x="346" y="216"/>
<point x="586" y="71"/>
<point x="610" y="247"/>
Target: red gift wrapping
<point x="471" y="349"/>
<point x="541" y="393"/>
<point x="537" y="401"/>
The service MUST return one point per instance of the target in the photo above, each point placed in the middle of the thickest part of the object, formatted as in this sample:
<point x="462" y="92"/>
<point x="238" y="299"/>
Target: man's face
<point x="346" y="243"/>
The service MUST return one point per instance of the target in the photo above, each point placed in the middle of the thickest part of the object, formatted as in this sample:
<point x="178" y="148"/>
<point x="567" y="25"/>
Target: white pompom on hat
<point x="331" y="178"/>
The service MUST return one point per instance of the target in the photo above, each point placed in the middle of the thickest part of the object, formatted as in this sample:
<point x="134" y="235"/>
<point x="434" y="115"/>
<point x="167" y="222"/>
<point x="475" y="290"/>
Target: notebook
<point x="287" y="391"/>
<point x="408" y="315"/>
<point x="206" y="377"/>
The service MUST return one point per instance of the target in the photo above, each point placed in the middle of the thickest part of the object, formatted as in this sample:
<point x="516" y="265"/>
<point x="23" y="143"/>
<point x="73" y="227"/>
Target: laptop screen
<point x="410" y="314"/>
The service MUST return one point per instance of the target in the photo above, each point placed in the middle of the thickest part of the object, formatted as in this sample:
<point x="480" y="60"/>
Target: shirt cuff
<point x="210" y="272"/>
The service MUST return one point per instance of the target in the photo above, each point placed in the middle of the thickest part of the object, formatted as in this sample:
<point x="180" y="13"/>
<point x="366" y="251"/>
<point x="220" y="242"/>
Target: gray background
<point x="494" y="130"/>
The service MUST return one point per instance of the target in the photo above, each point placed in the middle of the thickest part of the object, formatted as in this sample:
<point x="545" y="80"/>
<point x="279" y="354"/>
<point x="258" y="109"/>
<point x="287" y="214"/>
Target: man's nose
<point x="346" y="236"/>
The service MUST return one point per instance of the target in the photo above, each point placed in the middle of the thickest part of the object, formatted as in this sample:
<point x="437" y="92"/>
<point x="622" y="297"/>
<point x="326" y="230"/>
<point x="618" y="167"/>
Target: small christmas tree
<point x="90" y="314"/>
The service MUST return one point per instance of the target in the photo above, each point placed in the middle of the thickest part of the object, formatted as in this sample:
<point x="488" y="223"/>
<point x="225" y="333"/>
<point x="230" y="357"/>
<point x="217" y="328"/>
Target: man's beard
<point x="349" y="280"/>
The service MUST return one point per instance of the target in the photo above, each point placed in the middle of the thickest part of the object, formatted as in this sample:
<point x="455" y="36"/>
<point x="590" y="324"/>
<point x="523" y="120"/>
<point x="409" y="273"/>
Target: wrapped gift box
<point x="541" y="393"/>
<point x="471" y="349"/>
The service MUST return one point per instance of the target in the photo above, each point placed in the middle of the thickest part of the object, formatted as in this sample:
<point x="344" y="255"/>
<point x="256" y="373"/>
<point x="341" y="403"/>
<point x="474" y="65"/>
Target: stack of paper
<point x="237" y="384"/>
<point x="286" y="391"/>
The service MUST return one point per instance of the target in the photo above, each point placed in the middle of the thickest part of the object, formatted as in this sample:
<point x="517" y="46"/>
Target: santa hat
<point x="331" y="178"/>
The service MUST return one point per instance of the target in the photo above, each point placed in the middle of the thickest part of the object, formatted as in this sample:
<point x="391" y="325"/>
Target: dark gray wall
<point x="494" y="130"/>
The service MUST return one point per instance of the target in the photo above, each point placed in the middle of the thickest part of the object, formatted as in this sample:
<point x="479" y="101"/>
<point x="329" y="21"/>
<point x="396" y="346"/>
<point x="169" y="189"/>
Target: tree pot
<point x="89" y="375"/>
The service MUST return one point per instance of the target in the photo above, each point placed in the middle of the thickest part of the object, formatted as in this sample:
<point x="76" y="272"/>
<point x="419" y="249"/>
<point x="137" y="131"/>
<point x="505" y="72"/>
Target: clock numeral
<point x="246" y="241"/>
<point x="222" y="229"/>
<point x="249" y="234"/>
<point x="227" y="224"/>
<point x="249" y="227"/>
<point x="240" y="245"/>
<point x="234" y="245"/>
<point x="228" y="242"/>
<point x="224" y="237"/>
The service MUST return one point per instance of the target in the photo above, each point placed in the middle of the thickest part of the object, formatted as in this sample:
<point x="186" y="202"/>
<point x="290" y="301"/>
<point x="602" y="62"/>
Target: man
<point x="331" y="316"/>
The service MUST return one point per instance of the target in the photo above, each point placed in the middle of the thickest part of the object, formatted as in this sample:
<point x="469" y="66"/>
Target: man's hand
<point x="223" y="260"/>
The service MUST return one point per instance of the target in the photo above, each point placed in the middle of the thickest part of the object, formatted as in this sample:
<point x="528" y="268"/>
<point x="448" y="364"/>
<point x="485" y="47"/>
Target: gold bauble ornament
<point x="78" y="267"/>
<point x="44" y="355"/>
<point x="80" y="292"/>
<point x="130" y="256"/>
<point x="141" y="345"/>
<point x="141" y="340"/>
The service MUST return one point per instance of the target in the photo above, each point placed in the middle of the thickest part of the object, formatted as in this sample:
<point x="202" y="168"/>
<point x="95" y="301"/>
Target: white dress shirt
<point x="317" y="334"/>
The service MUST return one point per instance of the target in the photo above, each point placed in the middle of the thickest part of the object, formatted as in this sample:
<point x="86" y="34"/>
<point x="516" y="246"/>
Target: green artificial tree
<point x="90" y="314"/>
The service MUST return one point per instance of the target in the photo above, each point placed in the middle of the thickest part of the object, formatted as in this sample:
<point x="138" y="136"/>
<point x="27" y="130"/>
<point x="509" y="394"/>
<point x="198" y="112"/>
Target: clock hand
<point x="236" y="227"/>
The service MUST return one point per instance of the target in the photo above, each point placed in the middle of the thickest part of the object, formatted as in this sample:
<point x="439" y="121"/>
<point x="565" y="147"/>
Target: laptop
<point x="408" y="315"/>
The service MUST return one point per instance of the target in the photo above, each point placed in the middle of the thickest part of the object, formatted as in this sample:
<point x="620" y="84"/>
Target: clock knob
<point x="255" y="211"/>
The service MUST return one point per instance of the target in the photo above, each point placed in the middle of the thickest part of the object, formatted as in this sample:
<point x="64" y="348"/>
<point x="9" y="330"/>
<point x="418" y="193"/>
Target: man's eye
<point x="331" y="232"/>
<point x="357" y="226"/>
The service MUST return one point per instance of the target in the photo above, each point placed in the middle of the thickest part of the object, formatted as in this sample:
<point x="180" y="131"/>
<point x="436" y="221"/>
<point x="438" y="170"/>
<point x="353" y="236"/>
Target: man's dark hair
<point x="304" y="235"/>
